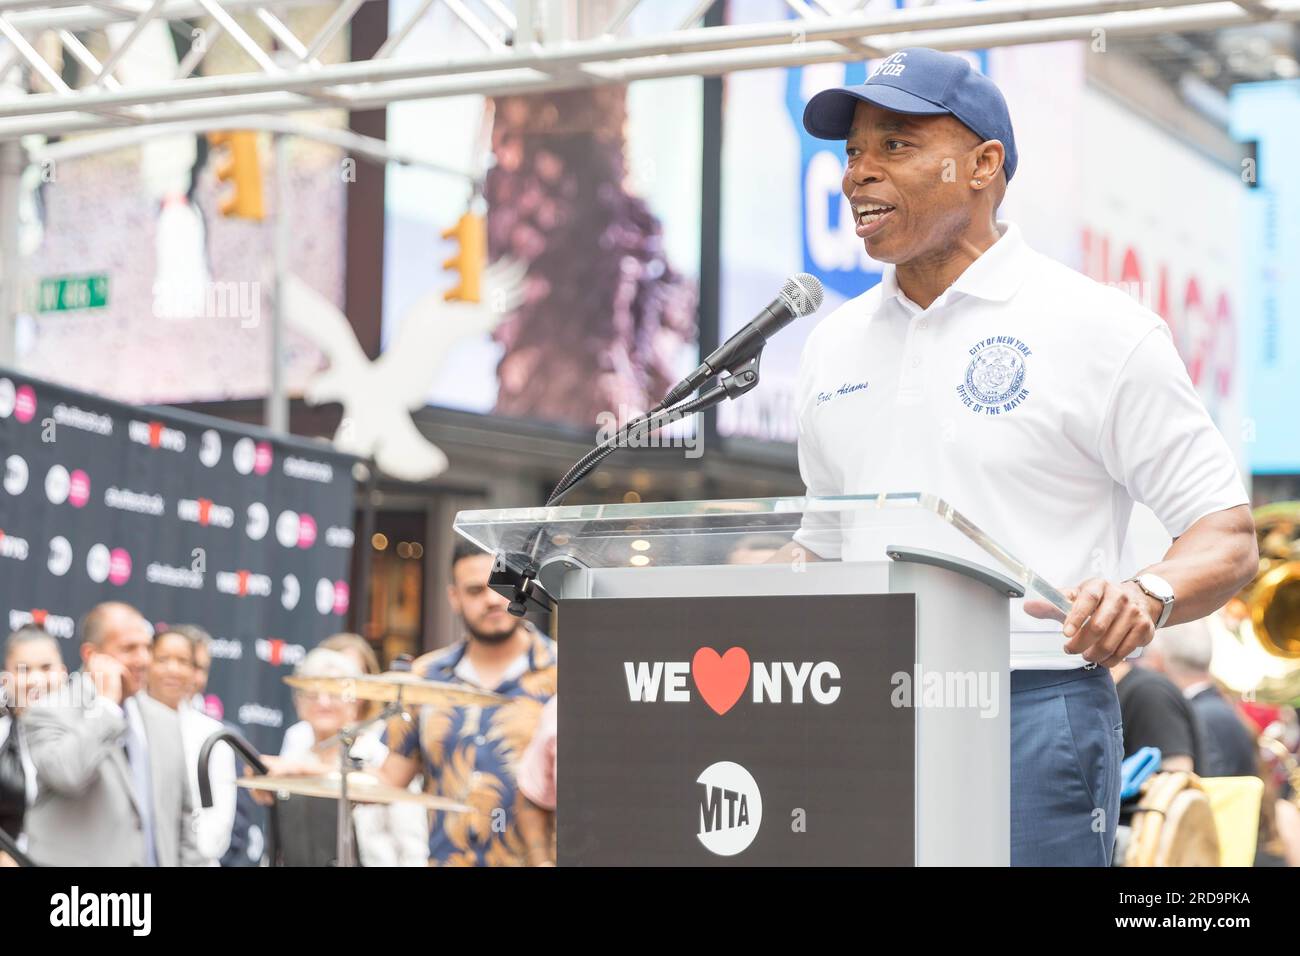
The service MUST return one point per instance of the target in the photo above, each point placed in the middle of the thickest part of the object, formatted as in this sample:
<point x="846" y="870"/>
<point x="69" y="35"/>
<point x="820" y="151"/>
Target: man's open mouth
<point x="869" y="216"/>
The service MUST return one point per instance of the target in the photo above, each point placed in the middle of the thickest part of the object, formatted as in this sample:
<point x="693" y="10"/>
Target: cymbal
<point x="394" y="685"/>
<point x="362" y="788"/>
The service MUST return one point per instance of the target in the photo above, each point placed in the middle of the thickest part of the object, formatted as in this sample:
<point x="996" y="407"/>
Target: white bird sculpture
<point x="378" y="396"/>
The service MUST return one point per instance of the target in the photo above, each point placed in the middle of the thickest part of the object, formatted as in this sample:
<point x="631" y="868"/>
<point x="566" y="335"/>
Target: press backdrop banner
<point x="189" y="519"/>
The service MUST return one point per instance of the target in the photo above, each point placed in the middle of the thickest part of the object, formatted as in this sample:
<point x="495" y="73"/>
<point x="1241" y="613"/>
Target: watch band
<point x="1167" y="607"/>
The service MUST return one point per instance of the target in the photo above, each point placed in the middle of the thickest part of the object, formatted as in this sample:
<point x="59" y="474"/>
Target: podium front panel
<point x="760" y="730"/>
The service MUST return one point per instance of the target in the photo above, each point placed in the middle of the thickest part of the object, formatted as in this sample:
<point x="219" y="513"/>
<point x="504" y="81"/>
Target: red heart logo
<point x="721" y="679"/>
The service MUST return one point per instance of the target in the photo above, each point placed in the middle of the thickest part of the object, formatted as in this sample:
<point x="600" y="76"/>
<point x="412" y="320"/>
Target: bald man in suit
<point x="112" y="787"/>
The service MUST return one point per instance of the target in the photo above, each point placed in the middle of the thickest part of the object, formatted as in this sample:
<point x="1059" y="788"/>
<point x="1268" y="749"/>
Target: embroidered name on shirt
<point x="845" y="389"/>
<point x="995" y="378"/>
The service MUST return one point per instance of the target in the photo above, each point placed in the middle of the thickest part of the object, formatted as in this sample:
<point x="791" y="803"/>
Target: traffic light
<point x="470" y="233"/>
<point x="242" y="168"/>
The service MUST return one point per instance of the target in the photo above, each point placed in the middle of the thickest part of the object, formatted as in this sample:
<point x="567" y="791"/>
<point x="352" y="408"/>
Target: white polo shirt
<point x="1039" y="403"/>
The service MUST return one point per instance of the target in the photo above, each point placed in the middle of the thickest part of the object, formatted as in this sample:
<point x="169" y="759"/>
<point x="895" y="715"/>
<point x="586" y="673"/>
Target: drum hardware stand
<point x="346" y="737"/>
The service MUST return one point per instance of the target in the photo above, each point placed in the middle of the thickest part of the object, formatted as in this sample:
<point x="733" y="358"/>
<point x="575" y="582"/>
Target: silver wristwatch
<point x="1157" y="587"/>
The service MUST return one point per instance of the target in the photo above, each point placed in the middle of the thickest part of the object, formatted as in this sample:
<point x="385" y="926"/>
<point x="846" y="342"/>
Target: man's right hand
<point x="109" y="675"/>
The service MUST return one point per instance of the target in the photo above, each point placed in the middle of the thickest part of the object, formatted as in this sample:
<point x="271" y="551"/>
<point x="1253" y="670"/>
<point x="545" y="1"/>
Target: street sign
<point x="65" y="293"/>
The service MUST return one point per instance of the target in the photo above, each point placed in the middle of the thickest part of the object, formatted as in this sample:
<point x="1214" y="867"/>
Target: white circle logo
<point x="210" y="448"/>
<point x="259" y="519"/>
<point x="243" y="455"/>
<point x="324" y="595"/>
<point x="57" y="484"/>
<point x="15" y="474"/>
<point x="286" y="529"/>
<point x="290" y="591"/>
<point x="731" y="808"/>
<point x="60" y="556"/>
<point x="8" y="397"/>
<point x="98" y="560"/>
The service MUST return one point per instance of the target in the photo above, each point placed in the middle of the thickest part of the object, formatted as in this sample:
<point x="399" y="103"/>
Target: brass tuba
<point x="1257" y="649"/>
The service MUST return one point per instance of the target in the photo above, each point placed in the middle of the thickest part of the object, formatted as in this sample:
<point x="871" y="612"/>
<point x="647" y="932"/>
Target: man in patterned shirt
<point x="470" y="754"/>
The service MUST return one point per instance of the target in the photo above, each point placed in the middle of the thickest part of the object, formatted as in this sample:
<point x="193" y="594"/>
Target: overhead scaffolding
<point x="529" y="46"/>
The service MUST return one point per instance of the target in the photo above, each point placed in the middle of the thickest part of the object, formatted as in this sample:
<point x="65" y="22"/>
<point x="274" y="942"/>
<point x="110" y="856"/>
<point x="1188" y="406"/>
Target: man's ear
<point x="87" y="649"/>
<point x="987" y="159"/>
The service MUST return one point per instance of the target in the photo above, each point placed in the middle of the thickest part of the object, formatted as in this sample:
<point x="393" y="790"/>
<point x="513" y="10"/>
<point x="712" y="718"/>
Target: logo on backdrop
<point x="56" y="625"/>
<point x="251" y="457"/>
<point x="995" y="376"/>
<point x="60" y="559"/>
<point x="277" y="653"/>
<point x="16" y="474"/>
<point x="226" y="649"/>
<point x="12" y="546"/>
<point x="338" y="536"/>
<point x="294" y="530"/>
<point x="137" y="502"/>
<point x="173" y="577"/>
<point x="731" y="808"/>
<point x="62" y="485"/>
<point x="243" y="583"/>
<point x="260" y="715"/>
<point x="74" y="417"/>
<point x="210" y="448"/>
<point x="19" y="402"/>
<point x="290" y="592"/>
<point x="105" y="564"/>
<point x="308" y="469"/>
<point x="332" y="596"/>
<point x="721" y="680"/>
<point x="204" y="512"/>
<point x="156" y="435"/>
<point x="259" y="520"/>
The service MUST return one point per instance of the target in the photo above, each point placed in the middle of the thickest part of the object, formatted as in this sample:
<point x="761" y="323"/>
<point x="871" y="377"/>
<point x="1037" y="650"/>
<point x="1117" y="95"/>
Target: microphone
<point x="801" y="295"/>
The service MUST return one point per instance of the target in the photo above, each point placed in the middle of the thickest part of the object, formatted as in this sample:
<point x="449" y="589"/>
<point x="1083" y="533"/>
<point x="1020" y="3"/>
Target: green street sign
<point x="65" y="293"/>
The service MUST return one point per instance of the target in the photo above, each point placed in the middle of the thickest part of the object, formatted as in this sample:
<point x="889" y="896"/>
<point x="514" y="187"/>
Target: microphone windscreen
<point x="802" y="293"/>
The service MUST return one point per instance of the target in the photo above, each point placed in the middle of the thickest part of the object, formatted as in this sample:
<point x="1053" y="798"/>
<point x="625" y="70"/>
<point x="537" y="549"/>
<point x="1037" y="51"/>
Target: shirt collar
<point x="995" y="276"/>
<point x="538" y="655"/>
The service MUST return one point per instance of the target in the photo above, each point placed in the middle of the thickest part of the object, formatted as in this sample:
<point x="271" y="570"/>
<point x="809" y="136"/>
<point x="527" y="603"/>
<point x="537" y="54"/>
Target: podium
<point x="775" y="681"/>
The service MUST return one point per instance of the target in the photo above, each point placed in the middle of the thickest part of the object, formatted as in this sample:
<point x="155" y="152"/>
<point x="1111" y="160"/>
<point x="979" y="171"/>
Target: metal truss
<point x="524" y="46"/>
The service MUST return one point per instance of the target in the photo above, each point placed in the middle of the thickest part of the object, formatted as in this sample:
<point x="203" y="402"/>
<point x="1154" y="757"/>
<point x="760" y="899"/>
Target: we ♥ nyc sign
<point x="721" y="680"/>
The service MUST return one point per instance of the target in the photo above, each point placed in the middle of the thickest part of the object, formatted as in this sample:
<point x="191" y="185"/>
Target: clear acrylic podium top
<point x="746" y="531"/>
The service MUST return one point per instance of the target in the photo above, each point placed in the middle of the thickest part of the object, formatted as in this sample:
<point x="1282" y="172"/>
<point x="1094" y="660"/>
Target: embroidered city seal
<point x="995" y="376"/>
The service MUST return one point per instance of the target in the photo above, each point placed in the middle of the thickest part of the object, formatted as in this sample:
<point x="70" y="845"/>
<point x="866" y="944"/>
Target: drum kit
<point x="1170" y="824"/>
<point x="349" y="785"/>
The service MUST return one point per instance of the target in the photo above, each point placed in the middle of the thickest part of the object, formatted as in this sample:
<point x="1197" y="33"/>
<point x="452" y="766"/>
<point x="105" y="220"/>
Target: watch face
<point x="1157" y="586"/>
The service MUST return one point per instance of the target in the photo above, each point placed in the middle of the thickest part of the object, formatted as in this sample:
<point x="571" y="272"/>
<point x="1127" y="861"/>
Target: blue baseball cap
<point x="919" y="81"/>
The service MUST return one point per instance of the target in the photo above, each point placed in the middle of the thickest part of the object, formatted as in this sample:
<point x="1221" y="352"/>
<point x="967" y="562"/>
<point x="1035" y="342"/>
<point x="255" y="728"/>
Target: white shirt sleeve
<point x="298" y="740"/>
<point x="217" y="822"/>
<point x="1157" y="439"/>
<point x="818" y="532"/>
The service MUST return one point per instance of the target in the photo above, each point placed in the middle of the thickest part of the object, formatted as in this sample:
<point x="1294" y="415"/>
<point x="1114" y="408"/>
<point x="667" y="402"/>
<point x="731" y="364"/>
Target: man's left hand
<point x="1107" y="622"/>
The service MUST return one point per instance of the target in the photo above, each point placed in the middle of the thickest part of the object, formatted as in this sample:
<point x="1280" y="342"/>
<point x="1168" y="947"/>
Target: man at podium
<point x="1038" y="402"/>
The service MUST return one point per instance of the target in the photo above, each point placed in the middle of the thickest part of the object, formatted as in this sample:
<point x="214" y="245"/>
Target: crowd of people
<point x="1169" y="701"/>
<point x="101" y="766"/>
